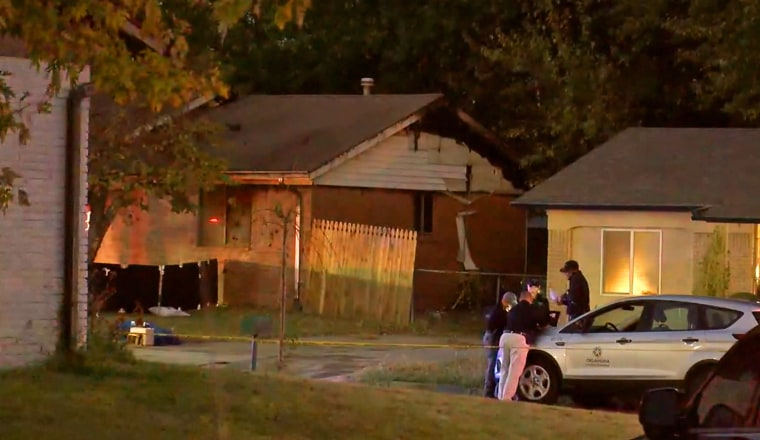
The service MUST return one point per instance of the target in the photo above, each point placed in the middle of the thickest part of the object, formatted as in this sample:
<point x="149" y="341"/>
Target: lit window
<point x="631" y="262"/>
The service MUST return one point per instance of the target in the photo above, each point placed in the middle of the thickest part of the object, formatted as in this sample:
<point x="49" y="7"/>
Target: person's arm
<point x="576" y="292"/>
<point x="563" y="300"/>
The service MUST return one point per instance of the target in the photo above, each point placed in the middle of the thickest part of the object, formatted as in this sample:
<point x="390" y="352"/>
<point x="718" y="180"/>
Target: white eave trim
<point x="364" y="146"/>
<point x="270" y="178"/>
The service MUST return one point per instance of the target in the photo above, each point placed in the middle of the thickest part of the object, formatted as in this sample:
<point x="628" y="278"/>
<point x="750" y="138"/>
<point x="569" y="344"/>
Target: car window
<point x="718" y="318"/>
<point x="621" y="318"/>
<point x="728" y="397"/>
<point x="670" y="316"/>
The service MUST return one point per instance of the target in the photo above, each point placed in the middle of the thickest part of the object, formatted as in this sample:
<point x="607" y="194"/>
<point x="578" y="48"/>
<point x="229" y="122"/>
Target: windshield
<point x="728" y="399"/>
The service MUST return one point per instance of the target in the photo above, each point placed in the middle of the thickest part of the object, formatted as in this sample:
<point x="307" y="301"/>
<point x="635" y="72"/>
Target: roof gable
<point x="705" y="170"/>
<point x="301" y="133"/>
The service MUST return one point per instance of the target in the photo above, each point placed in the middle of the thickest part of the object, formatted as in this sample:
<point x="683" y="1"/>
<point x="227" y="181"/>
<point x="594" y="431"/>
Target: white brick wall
<point x="31" y="238"/>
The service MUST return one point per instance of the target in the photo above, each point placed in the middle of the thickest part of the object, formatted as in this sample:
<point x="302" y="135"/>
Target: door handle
<point x="623" y="341"/>
<point x="690" y="340"/>
<point x="559" y="344"/>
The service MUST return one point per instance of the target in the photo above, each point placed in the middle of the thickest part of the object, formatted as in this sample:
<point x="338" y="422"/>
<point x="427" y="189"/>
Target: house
<point x="43" y="246"/>
<point x="642" y="212"/>
<point x="399" y="161"/>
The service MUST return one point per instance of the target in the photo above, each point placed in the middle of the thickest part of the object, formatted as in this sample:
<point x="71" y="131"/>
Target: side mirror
<point x="661" y="413"/>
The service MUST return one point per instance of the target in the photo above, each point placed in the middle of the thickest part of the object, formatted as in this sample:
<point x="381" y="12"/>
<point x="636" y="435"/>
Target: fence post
<point x="254" y="347"/>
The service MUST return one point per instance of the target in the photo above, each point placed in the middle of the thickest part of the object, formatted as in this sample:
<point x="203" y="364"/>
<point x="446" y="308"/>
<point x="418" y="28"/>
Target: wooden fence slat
<point x="357" y="270"/>
<point x="407" y="281"/>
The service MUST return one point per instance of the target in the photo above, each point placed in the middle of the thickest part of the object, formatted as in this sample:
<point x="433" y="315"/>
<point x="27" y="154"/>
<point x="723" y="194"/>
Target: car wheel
<point x="696" y="378"/>
<point x="539" y="382"/>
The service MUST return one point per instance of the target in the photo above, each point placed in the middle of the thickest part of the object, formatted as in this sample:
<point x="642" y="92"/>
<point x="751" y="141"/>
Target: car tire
<point x="696" y="378"/>
<point x="539" y="382"/>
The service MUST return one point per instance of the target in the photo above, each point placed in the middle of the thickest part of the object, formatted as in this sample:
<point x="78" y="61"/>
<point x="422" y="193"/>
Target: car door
<point x="604" y="345"/>
<point x="668" y="340"/>
<point x="715" y="335"/>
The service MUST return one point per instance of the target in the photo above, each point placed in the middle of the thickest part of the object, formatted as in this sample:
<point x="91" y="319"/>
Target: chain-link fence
<point x="464" y="290"/>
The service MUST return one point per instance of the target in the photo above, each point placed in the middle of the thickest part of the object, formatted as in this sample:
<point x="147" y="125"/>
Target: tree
<point x="714" y="270"/>
<point x="130" y="164"/>
<point x="553" y="78"/>
<point x="726" y="34"/>
<point x="145" y="58"/>
<point x="577" y="72"/>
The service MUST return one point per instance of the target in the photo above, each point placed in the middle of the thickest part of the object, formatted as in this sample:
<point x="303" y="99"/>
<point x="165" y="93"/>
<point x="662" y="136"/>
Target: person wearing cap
<point x="524" y="322"/>
<point x="496" y="321"/>
<point x="576" y="298"/>
<point x="533" y="286"/>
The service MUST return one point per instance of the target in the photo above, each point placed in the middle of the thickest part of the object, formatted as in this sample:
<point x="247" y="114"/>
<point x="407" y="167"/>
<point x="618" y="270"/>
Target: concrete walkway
<point x="339" y="363"/>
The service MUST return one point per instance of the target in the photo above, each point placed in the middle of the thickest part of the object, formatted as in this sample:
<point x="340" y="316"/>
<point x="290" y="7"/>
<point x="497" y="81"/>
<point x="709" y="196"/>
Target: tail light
<point x="756" y="314"/>
<point x="738" y="336"/>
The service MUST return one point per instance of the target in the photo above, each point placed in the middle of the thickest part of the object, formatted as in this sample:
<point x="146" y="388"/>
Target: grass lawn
<point x="150" y="401"/>
<point x="226" y="321"/>
<point x="466" y="371"/>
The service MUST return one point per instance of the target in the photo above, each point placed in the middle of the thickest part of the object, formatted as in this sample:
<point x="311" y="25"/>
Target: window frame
<point x="419" y="204"/>
<point x="653" y="304"/>
<point x="571" y="327"/>
<point x="703" y="309"/>
<point x="201" y="221"/>
<point x="756" y="265"/>
<point x="632" y="233"/>
<point x="226" y="243"/>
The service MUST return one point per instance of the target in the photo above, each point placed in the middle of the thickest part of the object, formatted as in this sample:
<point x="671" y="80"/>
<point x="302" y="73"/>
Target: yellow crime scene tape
<point x="291" y="341"/>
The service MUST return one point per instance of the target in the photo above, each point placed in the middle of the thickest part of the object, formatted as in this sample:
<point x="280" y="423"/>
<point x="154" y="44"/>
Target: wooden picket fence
<point x="358" y="270"/>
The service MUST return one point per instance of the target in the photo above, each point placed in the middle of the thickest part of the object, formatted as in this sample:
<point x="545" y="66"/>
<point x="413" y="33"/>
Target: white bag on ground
<point x="167" y="311"/>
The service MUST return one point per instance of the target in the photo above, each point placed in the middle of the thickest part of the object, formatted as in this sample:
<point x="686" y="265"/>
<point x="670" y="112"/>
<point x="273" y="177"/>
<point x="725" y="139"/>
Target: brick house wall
<point x="739" y="258"/>
<point x="32" y="238"/>
<point x="495" y="234"/>
<point x="248" y="275"/>
<point x="251" y="275"/>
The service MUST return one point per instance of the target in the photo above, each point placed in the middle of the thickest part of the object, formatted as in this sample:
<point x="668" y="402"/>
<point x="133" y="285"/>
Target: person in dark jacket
<point x="533" y="286"/>
<point x="496" y="321"/>
<point x="524" y="322"/>
<point x="577" y="296"/>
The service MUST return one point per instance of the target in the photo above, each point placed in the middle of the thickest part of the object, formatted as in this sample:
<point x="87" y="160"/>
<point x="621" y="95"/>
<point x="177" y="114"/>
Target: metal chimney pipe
<point x="367" y="84"/>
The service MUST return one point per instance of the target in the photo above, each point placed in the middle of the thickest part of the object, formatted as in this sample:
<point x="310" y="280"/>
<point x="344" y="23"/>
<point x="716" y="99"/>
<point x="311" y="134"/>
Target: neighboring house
<point x="43" y="247"/>
<point x="401" y="161"/>
<point x="639" y="211"/>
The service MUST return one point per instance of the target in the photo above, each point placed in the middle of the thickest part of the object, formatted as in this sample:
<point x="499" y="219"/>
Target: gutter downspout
<point x="72" y="214"/>
<point x="298" y="257"/>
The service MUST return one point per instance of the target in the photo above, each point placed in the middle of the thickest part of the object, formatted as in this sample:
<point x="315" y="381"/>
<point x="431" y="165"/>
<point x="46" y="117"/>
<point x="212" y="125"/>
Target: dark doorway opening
<point x="185" y="287"/>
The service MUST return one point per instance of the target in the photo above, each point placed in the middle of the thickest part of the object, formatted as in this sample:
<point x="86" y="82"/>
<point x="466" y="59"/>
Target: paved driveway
<point x="309" y="361"/>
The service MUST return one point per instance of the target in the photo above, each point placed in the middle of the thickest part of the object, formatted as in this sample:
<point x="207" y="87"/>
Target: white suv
<point x="632" y="345"/>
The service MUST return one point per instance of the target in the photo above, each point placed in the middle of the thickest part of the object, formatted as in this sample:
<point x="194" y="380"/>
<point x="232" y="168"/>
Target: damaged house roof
<point x="301" y="133"/>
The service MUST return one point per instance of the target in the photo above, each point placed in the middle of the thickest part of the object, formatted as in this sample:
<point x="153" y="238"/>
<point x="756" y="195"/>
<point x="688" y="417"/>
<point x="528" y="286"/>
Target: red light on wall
<point x="213" y="220"/>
